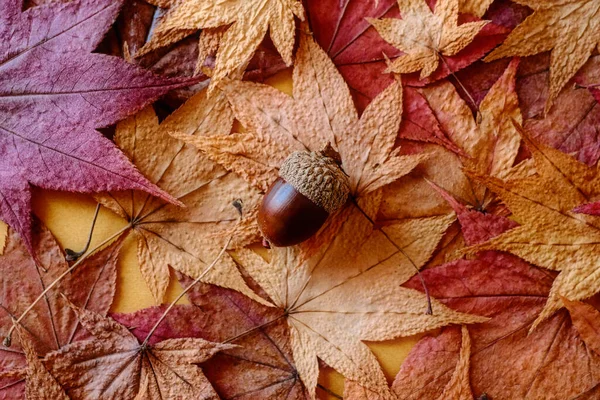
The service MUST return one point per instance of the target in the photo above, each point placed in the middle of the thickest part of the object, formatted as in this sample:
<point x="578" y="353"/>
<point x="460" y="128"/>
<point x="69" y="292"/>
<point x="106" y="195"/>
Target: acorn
<point x="311" y="186"/>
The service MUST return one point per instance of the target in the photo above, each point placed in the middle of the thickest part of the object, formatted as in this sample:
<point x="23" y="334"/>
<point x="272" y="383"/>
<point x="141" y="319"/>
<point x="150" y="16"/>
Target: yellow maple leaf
<point x="184" y="238"/>
<point x="424" y="35"/>
<point x="246" y="23"/>
<point x="321" y="111"/>
<point x="551" y="234"/>
<point x="569" y="29"/>
<point x="335" y="300"/>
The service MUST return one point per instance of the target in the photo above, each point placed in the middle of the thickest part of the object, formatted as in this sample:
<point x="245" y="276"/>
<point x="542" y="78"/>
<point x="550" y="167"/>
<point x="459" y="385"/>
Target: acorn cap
<point x="318" y="177"/>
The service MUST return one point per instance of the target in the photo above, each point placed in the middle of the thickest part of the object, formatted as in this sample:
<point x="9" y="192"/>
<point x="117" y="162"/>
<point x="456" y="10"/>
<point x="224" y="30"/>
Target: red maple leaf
<point x="507" y="362"/>
<point x="51" y="324"/>
<point x="54" y="93"/>
<point x="261" y="368"/>
<point x="341" y="28"/>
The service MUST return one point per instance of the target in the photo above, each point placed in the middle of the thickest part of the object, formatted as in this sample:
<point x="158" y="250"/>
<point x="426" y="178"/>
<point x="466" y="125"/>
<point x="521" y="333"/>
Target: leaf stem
<point x="237" y="204"/>
<point x="73" y="255"/>
<point x="592" y="85"/>
<point x="429" y="307"/>
<point x="478" y="116"/>
<point x="7" y="339"/>
<point x="187" y="289"/>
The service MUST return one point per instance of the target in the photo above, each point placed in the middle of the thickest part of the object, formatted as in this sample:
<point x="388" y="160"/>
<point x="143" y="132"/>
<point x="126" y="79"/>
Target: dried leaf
<point x="55" y="93"/>
<point x="457" y="388"/>
<point x="425" y="36"/>
<point x="489" y="147"/>
<point x="570" y="124"/>
<point x="186" y="239"/>
<point x="335" y="299"/>
<point x="355" y="47"/>
<point x="569" y="29"/>
<point x="40" y="384"/>
<point x="50" y="324"/>
<point x="551" y="235"/>
<point x="261" y="367"/>
<point x="320" y="112"/>
<point x="115" y="365"/>
<point x="507" y="362"/>
<point x="247" y="23"/>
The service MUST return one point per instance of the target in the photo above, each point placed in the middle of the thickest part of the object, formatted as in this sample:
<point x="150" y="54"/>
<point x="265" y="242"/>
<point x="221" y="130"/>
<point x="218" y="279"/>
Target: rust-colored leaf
<point x="114" y="365"/>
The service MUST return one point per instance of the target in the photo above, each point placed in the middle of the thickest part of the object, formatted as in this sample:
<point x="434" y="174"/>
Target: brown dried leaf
<point x="570" y="29"/>
<point x="551" y="234"/>
<point x="186" y="239"/>
<point x="321" y="111"/>
<point x="40" y="384"/>
<point x="335" y="300"/>
<point x="247" y="23"/>
<point x="50" y="324"/>
<point x="261" y="367"/>
<point x="424" y="35"/>
<point x="114" y="365"/>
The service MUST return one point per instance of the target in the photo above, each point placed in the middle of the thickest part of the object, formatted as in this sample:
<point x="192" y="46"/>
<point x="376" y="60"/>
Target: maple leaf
<point x="320" y="112"/>
<point x="338" y="298"/>
<point x="458" y="387"/>
<point x="571" y="122"/>
<point x="507" y="362"/>
<point x="50" y="324"/>
<point x="359" y="52"/>
<point x="489" y="147"/>
<point x="555" y="27"/>
<point x="424" y="36"/>
<point x="115" y="365"/>
<point x="54" y="93"/>
<point x="261" y="367"/>
<point x="184" y="58"/>
<point x="551" y="235"/>
<point x="247" y="23"/>
<point x="184" y="238"/>
<point x="41" y="385"/>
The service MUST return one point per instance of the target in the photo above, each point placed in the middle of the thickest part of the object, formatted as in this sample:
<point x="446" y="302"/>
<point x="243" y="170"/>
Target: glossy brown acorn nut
<point x="310" y="187"/>
<point x="287" y="217"/>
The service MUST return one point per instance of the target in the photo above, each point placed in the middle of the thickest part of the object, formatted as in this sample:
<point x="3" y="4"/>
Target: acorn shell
<point x="286" y="217"/>
<point x="310" y="187"/>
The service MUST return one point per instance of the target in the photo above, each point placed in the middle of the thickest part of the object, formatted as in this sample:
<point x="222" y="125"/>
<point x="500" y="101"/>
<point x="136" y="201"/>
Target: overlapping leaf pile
<point x="465" y="162"/>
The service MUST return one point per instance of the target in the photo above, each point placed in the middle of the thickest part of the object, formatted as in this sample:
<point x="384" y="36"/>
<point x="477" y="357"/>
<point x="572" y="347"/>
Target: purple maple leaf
<point x="54" y="93"/>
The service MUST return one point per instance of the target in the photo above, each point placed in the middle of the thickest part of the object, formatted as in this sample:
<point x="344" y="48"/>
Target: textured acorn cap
<point x="317" y="177"/>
